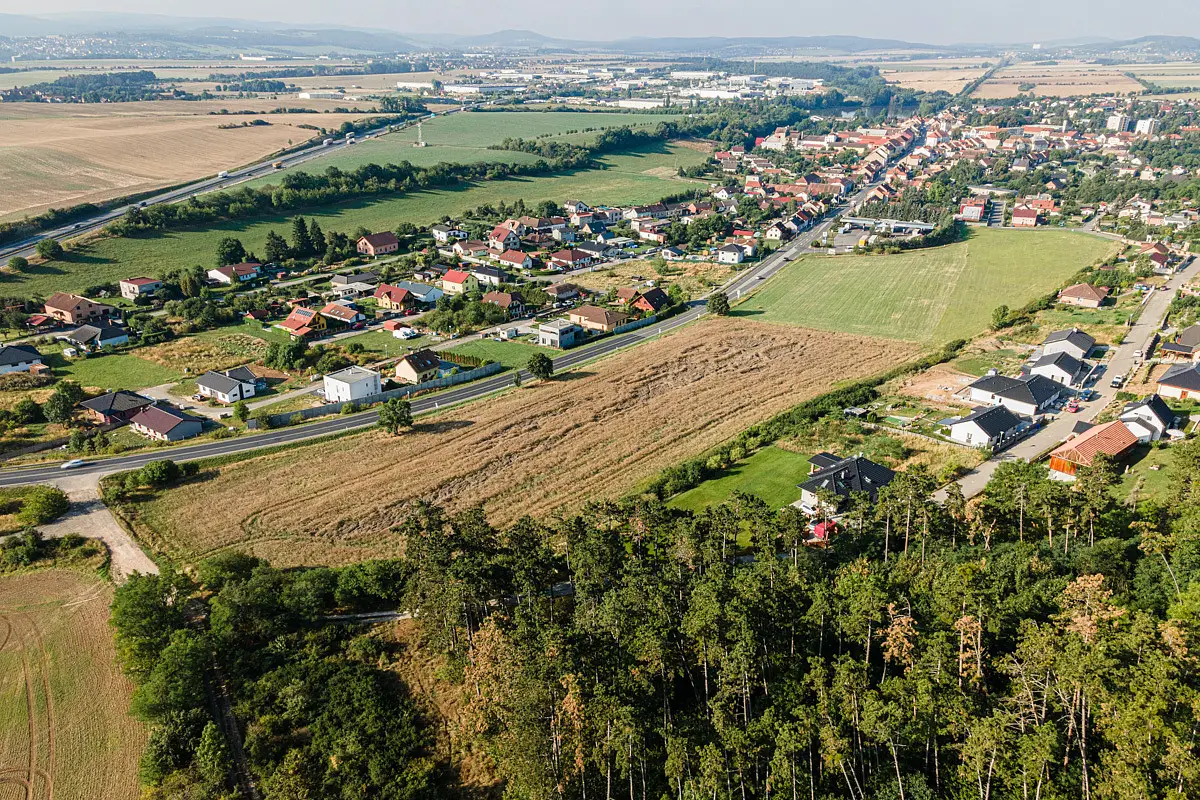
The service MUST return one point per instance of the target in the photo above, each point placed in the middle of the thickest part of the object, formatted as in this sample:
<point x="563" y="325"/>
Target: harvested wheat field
<point x="934" y="80"/>
<point x="1065" y="79"/>
<point x="61" y="155"/>
<point x="595" y="433"/>
<point x="65" y="729"/>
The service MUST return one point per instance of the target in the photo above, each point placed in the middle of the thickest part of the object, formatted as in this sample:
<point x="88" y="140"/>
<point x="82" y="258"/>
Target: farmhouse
<point x="114" y="407"/>
<point x="559" y="333"/>
<point x="1149" y="418"/>
<point x="351" y="383"/>
<point x="1026" y="396"/>
<point x="75" y="310"/>
<point x="593" y="318"/>
<point x="418" y="367"/>
<point x="1084" y="295"/>
<point x="840" y="479"/>
<point x="988" y="426"/>
<point x="378" y="244"/>
<point x="133" y="288"/>
<point x="1112" y="439"/>
<point x="1073" y="342"/>
<point x="1181" y="381"/>
<point x="165" y="424"/>
<point x="235" y="273"/>
<point x="19" y="358"/>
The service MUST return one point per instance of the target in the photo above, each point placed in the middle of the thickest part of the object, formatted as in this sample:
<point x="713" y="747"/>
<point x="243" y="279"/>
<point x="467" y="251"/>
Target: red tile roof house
<point x="235" y="273"/>
<point x="512" y="302"/>
<point x="648" y="300"/>
<point x="1084" y="295"/>
<point x="74" y="309"/>
<point x="378" y="244"/>
<point x="303" y="322"/>
<point x="393" y="298"/>
<point x="133" y="288"/>
<point x="165" y="424"/>
<point x="515" y="258"/>
<point x="342" y="314"/>
<point x="1025" y="217"/>
<point x="502" y="238"/>
<point x="456" y="281"/>
<point x="571" y="259"/>
<point x="1112" y="439"/>
<point x="597" y="319"/>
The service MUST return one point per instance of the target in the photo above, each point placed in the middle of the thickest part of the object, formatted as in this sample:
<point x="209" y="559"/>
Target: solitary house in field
<point x="1084" y="295"/>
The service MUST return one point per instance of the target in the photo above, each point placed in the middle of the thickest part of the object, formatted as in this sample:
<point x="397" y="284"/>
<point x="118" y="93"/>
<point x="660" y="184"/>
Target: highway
<point x="739" y="285"/>
<point x="26" y="247"/>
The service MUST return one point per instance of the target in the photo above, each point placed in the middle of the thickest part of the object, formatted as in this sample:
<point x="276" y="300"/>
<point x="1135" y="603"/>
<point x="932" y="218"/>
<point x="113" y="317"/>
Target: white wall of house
<point x="22" y="366"/>
<point x="339" y="391"/>
<point x="971" y="434"/>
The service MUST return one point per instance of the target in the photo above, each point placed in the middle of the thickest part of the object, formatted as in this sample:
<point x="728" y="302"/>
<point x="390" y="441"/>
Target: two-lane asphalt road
<point x="737" y="286"/>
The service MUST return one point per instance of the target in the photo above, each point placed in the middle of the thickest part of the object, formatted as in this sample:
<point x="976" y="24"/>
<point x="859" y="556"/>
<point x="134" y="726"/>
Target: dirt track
<point x="595" y="433"/>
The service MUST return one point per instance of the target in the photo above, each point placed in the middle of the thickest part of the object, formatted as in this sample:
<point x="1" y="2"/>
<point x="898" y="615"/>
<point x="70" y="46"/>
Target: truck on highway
<point x="222" y="174"/>
<point x="278" y="165"/>
<point x="326" y="143"/>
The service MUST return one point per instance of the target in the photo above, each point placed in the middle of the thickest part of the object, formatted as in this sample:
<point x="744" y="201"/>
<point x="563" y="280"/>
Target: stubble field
<point x="1064" y="79"/>
<point x="65" y="154"/>
<point x="65" y="729"/>
<point x="592" y="434"/>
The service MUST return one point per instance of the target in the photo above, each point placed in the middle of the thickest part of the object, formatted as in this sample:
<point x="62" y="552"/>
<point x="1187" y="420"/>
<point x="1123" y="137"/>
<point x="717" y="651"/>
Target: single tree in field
<point x="395" y="415"/>
<point x="540" y="366"/>
<point x="18" y="263"/>
<point x="999" y="317"/>
<point x="230" y="251"/>
<point x="50" y="249"/>
<point x="718" y="304"/>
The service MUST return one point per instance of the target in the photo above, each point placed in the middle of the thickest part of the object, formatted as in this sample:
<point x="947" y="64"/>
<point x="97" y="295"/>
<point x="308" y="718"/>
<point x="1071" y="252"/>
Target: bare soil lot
<point x="695" y="277"/>
<point x="61" y="155"/>
<point x="592" y="434"/>
<point x="65" y="729"/>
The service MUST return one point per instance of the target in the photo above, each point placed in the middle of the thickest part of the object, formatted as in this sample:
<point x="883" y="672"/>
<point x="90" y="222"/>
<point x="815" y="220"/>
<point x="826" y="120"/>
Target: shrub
<point x="43" y="504"/>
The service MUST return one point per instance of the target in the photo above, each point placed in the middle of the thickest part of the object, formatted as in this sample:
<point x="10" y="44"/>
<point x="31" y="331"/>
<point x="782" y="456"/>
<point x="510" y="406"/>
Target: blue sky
<point x="935" y="21"/>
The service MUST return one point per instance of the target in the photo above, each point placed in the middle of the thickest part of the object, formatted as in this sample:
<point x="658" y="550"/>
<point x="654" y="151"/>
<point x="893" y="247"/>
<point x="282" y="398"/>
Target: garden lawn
<point x="643" y="176"/>
<point x="932" y="295"/>
<point x="384" y="343"/>
<point x="772" y="474"/>
<point x="116" y="371"/>
<point x="1151" y="484"/>
<point x="509" y="354"/>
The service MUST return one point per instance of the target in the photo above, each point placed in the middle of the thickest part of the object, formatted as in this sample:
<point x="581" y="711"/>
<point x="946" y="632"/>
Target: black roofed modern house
<point x="987" y="426"/>
<point x="18" y="358"/>
<point x="94" y="337"/>
<point x="229" y="386"/>
<point x="112" y="407"/>
<point x="841" y="479"/>
<point x="166" y="424"/>
<point x="1059" y="367"/>
<point x="1028" y="395"/>
<point x="1072" y="341"/>
<point x="1148" y="419"/>
<point x="1182" y="381"/>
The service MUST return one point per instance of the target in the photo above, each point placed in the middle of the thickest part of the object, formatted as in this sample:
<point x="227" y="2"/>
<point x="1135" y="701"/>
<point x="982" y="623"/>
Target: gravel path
<point x="89" y="517"/>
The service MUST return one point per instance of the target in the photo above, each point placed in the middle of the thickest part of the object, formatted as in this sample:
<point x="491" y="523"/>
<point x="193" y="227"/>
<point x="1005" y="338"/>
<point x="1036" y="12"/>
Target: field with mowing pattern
<point x="638" y="177"/>
<point x="929" y="296"/>
<point x="65" y="729"/>
<point x="593" y="433"/>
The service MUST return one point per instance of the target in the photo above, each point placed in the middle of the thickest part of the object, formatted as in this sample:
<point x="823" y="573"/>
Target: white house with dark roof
<point x="1072" y="341"/>
<point x="1180" y="382"/>
<point x="841" y="479"/>
<point x="1028" y="396"/>
<point x="987" y="426"/>
<point x="1059" y="367"/>
<point x="227" y="387"/>
<point x="19" y="358"/>
<point x="351" y="383"/>
<point x="1149" y="418"/>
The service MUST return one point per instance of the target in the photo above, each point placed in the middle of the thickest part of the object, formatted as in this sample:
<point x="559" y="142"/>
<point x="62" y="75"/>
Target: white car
<point x="73" y="463"/>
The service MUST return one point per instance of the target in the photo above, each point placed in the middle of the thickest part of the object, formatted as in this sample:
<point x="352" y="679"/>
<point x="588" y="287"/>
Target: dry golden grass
<point x="65" y="729"/>
<point x="198" y="355"/>
<point x="696" y="277"/>
<point x="933" y="80"/>
<point x="592" y="434"/>
<point x="1066" y="79"/>
<point x="60" y="155"/>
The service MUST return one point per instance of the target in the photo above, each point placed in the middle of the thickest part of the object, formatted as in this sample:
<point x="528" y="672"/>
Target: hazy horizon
<point x="928" y="21"/>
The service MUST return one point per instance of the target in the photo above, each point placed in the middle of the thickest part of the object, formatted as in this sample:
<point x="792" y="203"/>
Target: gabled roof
<point x="1182" y="376"/>
<point x="1085" y="291"/>
<point x="382" y="239"/>
<point x="1190" y="336"/>
<point x="1112" y="439"/>
<point x="854" y="474"/>
<point x="140" y="281"/>
<point x="17" y="354"/>
<point x="422" y="360"/>
<point x="394" y="294"/>
<point x="992" y="420"/>
<point x="340" y="312"/>
<point x="1075" y="336"/>
<point x="456" y="276"/>
<point x="1153" y="404"/>
<point x="1064" y="361"/>
<point x="218" y="381"/>
<point x="504" y="299"/>
<point x="86" y="334"/>
<point x="513" y="257"/>
<point x="1034" y="389"/>
<point x="600" y="316"/>
<point x="161" y="419"/>
<point x="116" y="402"/>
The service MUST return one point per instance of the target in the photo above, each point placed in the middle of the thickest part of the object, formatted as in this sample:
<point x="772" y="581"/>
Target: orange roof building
<point x="1112" y="439"/>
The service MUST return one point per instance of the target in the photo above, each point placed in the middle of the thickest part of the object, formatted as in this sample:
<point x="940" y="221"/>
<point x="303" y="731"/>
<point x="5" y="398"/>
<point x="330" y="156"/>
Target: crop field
<point x="1064" y="79"/>
<point x="65" y="154"/>
<point x="933" y="80"/>
<point x="929" y="296"/>
<point x="594" y="433"/>
<point x="65" y="729"/>
<point x="464" y="138"/>
<point x="1173" y="75"/>
<point x="637" y="177"/>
